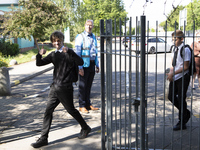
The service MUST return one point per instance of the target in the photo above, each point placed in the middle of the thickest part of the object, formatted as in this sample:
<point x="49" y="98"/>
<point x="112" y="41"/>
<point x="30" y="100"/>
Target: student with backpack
<point x="178" y="74"/>
<point x="86" y="47"/>
<point x="61" y="90"/>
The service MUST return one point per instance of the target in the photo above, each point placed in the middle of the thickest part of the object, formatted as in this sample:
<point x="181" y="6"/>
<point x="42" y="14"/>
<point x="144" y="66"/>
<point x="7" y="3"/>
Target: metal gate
<point x="136" y="113"/>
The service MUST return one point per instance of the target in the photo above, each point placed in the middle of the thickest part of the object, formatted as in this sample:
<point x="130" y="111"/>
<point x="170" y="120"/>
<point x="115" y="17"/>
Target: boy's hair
<point x="178" y="33"/>
<point x="57" y="35"/>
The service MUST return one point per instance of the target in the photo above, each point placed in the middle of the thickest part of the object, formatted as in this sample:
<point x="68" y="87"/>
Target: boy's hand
<point x="42" y="51"/>
<point x="170" y="76"/>
<point x="65" y="49"/>
<point x="81" y="72"/>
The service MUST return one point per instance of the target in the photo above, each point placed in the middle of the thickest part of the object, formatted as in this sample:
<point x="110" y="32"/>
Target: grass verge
<point x="26" y="56"/>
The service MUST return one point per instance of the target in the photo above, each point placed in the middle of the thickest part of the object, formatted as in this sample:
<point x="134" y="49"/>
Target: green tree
<point x="193" y="14"/>
<point x="71" y="9"/>
<point x="132" y="31"/>
<point x="97" y="10"/>
<point x="33" y="18"/>
<point x="172" y="18"/>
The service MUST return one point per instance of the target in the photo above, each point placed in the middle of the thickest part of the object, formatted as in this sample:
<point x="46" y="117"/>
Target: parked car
<point x="125" y="40"/>
<point x="152" y="43"/>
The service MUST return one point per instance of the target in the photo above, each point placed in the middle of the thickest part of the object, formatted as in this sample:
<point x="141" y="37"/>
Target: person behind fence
<point x="176" y="76"/>
<point x="61" y="90"/>
<point x="86" y="47"/>
<point x="196" y="47"/>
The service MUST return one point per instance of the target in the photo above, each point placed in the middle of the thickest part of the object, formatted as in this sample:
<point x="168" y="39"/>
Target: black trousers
<point x="64" y="95"/>
<point x="85" y="84"/>
<point x="177" y="99"/>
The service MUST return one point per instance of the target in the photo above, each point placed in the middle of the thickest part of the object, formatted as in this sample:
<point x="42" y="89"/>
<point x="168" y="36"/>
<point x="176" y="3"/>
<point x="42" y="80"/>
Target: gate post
<point x="142" y="84"/>
<point x="109" y="82"/>
<point x="103" y="139"/>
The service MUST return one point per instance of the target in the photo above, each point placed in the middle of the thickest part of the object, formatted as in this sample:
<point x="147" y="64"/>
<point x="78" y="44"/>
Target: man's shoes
<point x="178" y="126"/>
<point x="83" y="110"/>
<point x="40" y="142"/>
<point x="91" y="108"/>
<point x="84" y="133"/>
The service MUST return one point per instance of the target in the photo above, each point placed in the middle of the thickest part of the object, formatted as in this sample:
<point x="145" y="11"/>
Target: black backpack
<point x="75" y="72"/>
<point x="192" y="70"/>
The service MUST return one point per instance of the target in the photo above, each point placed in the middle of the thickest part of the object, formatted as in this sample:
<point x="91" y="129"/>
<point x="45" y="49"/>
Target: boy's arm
<point x="43" y="61"/>
<point x="180" y="70"/>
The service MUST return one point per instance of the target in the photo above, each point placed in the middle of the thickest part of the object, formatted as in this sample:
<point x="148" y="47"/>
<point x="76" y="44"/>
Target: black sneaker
<point x="84" y="133"/>
<point x="178" y="126"/>
<point x="40" y="142"/>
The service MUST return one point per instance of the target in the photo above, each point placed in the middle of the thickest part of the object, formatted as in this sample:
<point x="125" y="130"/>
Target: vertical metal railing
<point x="127" y="85"/>
<point x="109" y="83"/>
<point x="142" y="83"/>
<point x="103" y="116"/>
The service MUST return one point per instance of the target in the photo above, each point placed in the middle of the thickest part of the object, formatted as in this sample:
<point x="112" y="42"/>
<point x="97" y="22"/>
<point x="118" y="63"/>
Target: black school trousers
<point x="177" y="99"/>
<point x="63" y="95"/>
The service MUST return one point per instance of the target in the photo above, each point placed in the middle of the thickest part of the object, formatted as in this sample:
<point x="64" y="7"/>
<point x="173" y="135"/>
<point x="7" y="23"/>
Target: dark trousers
<point x="85" y="84"/>
<point x="65" y="96"/>
<point x="176" y="99"/>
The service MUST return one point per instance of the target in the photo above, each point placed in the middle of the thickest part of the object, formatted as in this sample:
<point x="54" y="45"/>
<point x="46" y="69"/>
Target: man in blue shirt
<point x="86" y="47"/>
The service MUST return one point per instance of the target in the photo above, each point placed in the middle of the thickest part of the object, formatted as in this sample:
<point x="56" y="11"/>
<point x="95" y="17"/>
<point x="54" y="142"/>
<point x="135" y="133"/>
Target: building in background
<point x="24" y="44"/>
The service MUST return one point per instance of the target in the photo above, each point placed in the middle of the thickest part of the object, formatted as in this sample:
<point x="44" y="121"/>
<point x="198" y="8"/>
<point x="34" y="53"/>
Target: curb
<point x="16" y="82"/>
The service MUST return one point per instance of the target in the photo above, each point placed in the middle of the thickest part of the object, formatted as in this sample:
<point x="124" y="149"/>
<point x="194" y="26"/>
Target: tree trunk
<point x="36" y="43"/>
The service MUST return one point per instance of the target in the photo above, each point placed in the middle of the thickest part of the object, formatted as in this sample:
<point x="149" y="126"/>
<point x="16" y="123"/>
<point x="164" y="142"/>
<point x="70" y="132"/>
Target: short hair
<point x="57" y="35"/>
<point x="178" y="33"/>
<point x="89" y="20"/>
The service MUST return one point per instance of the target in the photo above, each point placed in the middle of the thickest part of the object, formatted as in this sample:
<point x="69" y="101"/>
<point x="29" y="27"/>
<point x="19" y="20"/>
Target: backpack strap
<point x="184" y="47"/>
<point x="83" y="40"/>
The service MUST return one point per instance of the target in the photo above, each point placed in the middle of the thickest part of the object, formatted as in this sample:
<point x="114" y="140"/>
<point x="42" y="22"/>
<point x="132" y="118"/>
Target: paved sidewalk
<point x="26" y="71"/>
<point x="21" y="117"/>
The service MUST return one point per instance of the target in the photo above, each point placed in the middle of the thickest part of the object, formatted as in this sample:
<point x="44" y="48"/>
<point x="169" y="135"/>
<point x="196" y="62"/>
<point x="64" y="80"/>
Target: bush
<point x="8" y="49"/>
<point x="3" y="63"/>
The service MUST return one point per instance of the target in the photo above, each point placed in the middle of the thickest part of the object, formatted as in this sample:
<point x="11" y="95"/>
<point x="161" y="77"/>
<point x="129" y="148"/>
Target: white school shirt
<point x="179" y="61"/>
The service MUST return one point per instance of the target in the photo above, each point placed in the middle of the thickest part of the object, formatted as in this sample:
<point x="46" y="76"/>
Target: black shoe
<point x="40" y="142"/>
<point x="84" y="133"/>
<point x="178" y="126"/>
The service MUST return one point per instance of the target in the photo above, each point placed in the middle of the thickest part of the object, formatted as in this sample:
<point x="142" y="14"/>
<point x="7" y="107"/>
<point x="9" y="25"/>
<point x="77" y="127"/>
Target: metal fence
<point x="136" y="113"/>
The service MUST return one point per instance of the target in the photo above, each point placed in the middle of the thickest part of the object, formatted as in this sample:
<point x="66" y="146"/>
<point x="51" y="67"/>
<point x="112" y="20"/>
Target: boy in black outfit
<point x="61" y="89"/>
<point x="179" y="72"/>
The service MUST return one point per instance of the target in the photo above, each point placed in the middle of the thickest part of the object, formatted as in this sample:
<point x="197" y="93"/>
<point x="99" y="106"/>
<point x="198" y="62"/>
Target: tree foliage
<point x="33" y="18"/>
<point x="193" y="17"/>
<point x="97" y="10"/>
<point x="172" y="19"/>
<point x="40" y="18"/>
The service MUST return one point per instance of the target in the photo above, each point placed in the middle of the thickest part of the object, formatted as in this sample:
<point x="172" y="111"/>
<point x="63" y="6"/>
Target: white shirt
<point x="179" y="61"/>
<point x="60" y="50"/>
